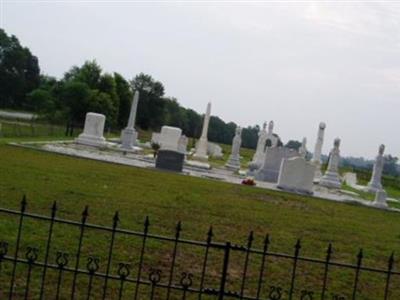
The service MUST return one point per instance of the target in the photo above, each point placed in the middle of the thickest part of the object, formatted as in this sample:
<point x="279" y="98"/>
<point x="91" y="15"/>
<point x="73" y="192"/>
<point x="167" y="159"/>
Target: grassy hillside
<point x="166" y="198"/>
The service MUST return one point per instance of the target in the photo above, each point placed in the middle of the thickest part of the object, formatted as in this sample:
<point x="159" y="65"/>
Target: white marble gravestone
<point x="92" y="134"/>
<point x="260" y="150"/>
<point x="201" y="149"/>
<point x="266" y="139"/>
<point x="270" y="168"/>
<point x="214" y="150"/>
<point x="331" y="177"/>
<point x="129" y="134"/>
<point x="234" y="159"/>
<point x="182" y="144"/>
<point x="380" y="199"/>
<point x="375" y="185"/>
<point x="296" y="175"/>
<point x="169" y="138"/>
<point x="316" y="159"/>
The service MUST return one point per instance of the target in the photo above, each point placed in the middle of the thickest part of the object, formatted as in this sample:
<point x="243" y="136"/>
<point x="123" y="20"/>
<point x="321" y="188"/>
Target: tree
<point x="151" y="113"/>
<point x="124" y="93"/>
<point x="390" y="166"/>
<point x="76" y="96"/>
<point x="42" y="101"/>
<point x="19" y="72"/>
<point x="292" y="144"/>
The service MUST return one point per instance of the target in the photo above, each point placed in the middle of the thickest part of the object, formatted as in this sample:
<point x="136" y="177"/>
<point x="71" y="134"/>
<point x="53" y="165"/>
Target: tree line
<point x="87" y="88"/>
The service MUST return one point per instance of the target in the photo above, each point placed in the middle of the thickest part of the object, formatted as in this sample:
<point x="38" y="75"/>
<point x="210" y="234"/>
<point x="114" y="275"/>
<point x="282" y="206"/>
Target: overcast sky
<point x="297" y="63"/>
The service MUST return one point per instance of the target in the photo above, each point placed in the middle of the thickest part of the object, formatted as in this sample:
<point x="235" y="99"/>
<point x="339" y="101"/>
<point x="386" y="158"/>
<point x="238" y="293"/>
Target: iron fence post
<point x="224" y="271"/>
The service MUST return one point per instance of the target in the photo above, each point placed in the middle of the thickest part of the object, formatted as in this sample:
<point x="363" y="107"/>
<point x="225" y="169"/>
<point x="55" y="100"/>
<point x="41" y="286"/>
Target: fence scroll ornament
<point x="31" y="272"/>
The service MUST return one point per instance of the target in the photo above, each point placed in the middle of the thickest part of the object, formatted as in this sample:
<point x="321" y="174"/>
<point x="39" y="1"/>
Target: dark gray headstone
<point x="170" y="160"/>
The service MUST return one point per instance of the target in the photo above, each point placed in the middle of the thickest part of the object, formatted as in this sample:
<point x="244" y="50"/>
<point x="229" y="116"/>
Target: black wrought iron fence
<point x="210" y="271"/>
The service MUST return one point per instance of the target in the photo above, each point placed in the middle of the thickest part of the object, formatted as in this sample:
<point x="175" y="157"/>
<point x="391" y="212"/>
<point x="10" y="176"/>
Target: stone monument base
<point x="128" y="138"/>
<point x="233" y="164"/>
<point x="199" y="157"/>
<point x="170" y="160"/>
<point x="90" y="140"/>
<point x="373" y="189"/>
<point x="201" y="151"/>
<point x="318" y="173"/>
<point x="380" y="199"/>
<point x="330" y="180"/>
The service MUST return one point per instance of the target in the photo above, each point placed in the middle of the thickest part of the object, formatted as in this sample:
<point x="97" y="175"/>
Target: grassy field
<point x="166" y="198"/>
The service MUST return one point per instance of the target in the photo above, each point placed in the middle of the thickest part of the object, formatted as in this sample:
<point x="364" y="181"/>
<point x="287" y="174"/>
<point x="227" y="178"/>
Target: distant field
<point x="166" y="198"/>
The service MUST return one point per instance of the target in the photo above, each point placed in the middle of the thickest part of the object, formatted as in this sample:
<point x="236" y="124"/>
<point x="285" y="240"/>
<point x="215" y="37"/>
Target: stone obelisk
<point x="202" y="145"/>
<point x="129" y="134"/>
<point x="303" y="148"/>
<point x="316" y="159"/>
<point x="331" y="177"/>
<point x="262" y="138"/>
<point x="234" y="159"/>
<point x="375" y="184"/>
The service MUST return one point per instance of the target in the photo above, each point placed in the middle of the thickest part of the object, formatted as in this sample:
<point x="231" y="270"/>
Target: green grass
<point x="233" y="210"/>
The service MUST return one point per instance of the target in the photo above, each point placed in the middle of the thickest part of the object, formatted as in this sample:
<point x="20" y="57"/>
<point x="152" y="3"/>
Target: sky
<point x="294" y="62"/>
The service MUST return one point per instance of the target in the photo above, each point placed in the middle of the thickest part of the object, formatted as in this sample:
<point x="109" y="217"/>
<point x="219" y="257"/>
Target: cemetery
<point x="273" y="166"/>
<point x="164" y="178"/>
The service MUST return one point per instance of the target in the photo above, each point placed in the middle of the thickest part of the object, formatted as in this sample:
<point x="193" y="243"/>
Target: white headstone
<point x="331" y="177"/>
<point x="265" y="139"/>
<point x="234" y="159"/>
<point x="214" y="150"/>
<point x="169" y="138"/>
<point x="129" y="134"/>
<point x="155" y="138"/>
<point x="269" y="171"/>
<point x="92" y="134"/>
<point x="316" y="159"/>
<point x="296" y="175"/>
<point x="260" y="150"/>
<point x="201" y="150"/>
<point x="182" y="144"/>
<point x="380" y="199"/>
<point x="375" y="184"/>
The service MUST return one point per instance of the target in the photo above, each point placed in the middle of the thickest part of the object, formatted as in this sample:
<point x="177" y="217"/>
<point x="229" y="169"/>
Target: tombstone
<point x="182" y="144"/>
<point x="380" y="199"/>
<point x="129" y="134"/>
<point x="375" y="185"/>
<point x="270" y="168"/>
<point x="316" y="159"/>
<point x="234" y="159"/>
<point x="260" y="150"/>
<point x="331" y="178"/>
<point x="303" y="148"/>
<point x="265" y="139"/>
<point x="155" y="138"/>
<point x="296" y="175"/>
<point x="169" y="138"/>
<point x="214" y="150"/>
<point x="92" y="134"/>
<point x="201" y="148"/>
<point x="170" y="160"/>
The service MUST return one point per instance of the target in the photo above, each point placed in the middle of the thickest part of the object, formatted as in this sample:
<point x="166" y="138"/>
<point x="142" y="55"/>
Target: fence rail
<point x="213" y="272"/>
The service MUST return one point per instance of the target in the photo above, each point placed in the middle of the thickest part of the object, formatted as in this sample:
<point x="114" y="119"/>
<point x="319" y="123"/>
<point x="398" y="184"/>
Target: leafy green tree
<point x="76" y="96"/>
<point x="151" y="113"/>
<point x="89" y="73"/>
<point x="19" y="72"/>
<point x="292" y="144"/>
<point x="42" y="101"/>
<point x="124" y="93"/>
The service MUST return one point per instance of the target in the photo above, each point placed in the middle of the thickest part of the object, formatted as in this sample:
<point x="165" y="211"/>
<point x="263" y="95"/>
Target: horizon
<point x="305" y="67"/>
